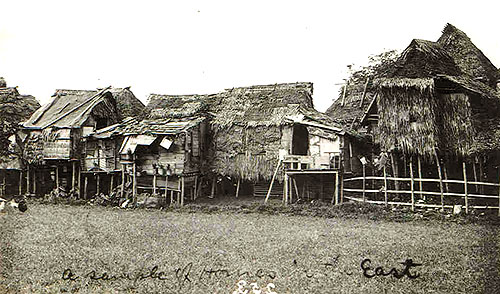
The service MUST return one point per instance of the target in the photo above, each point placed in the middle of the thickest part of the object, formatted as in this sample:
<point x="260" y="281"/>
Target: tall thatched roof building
<point x="439" y="99"/>
<point x="14" y="109"/>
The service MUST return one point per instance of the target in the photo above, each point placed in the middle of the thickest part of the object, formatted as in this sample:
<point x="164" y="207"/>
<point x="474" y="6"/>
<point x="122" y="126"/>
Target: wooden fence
<point x="385" y="180"/>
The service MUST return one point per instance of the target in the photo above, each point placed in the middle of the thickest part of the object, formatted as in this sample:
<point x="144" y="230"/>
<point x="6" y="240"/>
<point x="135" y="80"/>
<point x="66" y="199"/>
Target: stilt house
<point x="437" y="108"/>
<point x="261" y="132"/>
<point x="53" y="145"/>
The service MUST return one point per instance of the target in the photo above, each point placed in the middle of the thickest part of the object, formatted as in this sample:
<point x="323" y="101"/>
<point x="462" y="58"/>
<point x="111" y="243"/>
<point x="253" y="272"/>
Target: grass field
<point x="108" y="250"/>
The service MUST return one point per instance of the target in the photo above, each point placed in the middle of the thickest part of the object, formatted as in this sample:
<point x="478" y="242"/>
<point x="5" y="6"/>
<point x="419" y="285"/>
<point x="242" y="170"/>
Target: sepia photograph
<point x="249" y="147"/>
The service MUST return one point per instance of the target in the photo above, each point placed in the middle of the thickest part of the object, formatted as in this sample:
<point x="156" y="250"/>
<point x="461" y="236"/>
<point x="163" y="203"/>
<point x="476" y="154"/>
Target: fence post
<point x="465" y="188"/>
<point x="385" y="185"/>
<point x="412" y="184"/>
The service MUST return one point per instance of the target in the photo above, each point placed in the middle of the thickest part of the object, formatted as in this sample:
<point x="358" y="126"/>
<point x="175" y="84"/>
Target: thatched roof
<point x="177" y="106"/>
<point x="126" y="103"/>
<point x="14" y="108"/>
<point x="467" y="56"/>
<point x="266" y="105"/>
<point x="420" y="107"/>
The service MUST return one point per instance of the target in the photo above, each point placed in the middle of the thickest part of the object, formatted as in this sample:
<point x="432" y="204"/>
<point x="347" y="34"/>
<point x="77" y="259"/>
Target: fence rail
<point x="419" y="191"/>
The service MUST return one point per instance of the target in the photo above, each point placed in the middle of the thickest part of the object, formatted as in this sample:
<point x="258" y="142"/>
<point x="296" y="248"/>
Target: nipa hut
<point x="14" y="108"/>
<point x="260" y="132"/>
<point x="438" y="105"/>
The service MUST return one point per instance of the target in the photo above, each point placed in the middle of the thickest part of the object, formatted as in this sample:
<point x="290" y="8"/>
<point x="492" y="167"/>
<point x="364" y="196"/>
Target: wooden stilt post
<point x="2" y="190"/>
<point x="337" y="200"/>
<point x="86" y="182"/>
<point x="166" y="188"/>
<point x="385" y="187"/>
<point x="342" y="188"/>
<point x="440" y="180"/>
<point x="446" y="185"/>
<point x="79" y="181"/>
<point x="73" y="176"/>
<point x="466" y="188"/>
<point x="238" y="188"/>
<point x="57" y="178"/>
<point x="475" y="173"/>
<point x="134" y="181"/>
<point x="154" y="184"/>
<point x="34" y="182"/>
<point x="20" y="182"/>
<point x="286" y="189"/>
<point x="412" y="185"/>
<point x="111" y="183"/>
<point x="195" y="193"/>
<point x="395" y="171"/>
<point x="123" y="181"/>
<point x="290" y="189"/>
<point x="420" y="184"/>
<point x="481" y="188"/>
<point x="179" y="188"/>
<point x="214" y="182"/>
<point x="364" y="182"/>
<point x="296" y="188"/>
<point x="98" y="184"/>
<point x="28" y="180"/>
<point x="272" y="181"/>
<point x="182" y="190"/>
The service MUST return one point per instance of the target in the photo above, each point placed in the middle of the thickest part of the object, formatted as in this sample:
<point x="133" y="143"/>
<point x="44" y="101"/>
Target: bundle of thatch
<point x="14" y="109"/>
<point x="127" y="104"/>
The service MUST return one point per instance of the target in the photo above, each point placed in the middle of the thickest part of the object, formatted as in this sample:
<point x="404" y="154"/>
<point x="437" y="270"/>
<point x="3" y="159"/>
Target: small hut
<point x="14" y="108"/>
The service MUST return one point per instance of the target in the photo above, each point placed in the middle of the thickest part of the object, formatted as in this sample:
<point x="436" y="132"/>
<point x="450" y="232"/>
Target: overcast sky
<point x="197" y="47"/>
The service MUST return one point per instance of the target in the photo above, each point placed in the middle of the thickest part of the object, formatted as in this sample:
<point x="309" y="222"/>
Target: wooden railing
<point x="385" y="180"/>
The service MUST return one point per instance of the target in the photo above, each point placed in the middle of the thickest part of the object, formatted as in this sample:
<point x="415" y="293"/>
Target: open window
<point x="300" y="140"/>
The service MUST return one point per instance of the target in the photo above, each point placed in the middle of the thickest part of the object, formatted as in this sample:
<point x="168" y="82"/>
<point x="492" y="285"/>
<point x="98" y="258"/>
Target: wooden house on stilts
<point x="53" y="146"/>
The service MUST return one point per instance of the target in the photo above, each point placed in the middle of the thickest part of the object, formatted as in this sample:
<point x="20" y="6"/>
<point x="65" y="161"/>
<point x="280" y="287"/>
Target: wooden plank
<point x="285" y="198"/>
<point x="475" y="173"/>
<point x="398" y="203"/>
<point x="57" y="178"/>
<point x="154" y="184"/>
<point x="123" y="180"/>
<point x="195" y="193"/>
<point x="98" y="181"/>
<point x="464" y="167"/>
<point x="499" y="199"/>
<point x="296" y="188"/>
<point x="342" y="188"/>
<point x="111" y="183"/>
<point x="272" y="181"/>
<point x="166" y="188"/>
<point x="134" y="181"/>
<point x="423" y="180"/>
